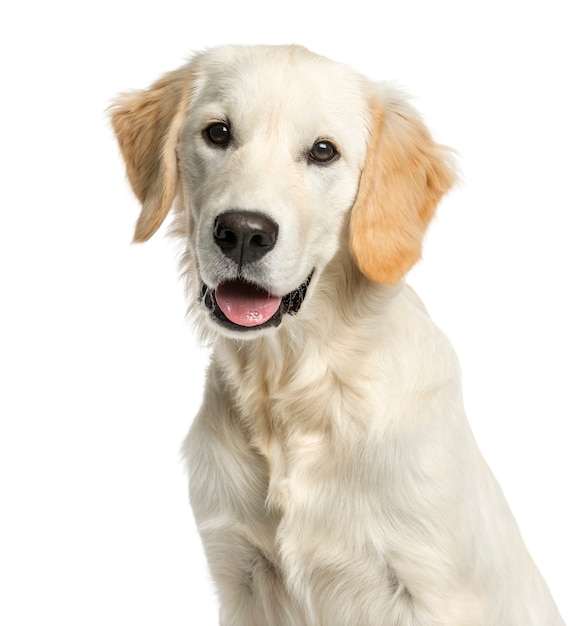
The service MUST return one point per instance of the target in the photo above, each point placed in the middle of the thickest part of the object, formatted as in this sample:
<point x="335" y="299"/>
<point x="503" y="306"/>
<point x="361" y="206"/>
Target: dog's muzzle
<point x="245" y="237"/>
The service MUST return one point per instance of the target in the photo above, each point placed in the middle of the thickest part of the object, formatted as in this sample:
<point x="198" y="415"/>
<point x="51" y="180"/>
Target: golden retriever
<point x="333" y="475"/>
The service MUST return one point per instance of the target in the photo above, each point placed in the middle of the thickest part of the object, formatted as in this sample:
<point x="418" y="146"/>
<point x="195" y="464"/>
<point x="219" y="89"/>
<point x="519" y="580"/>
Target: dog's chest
<point x="295" y="421"/>
<point x="289" y="448"/>
<point x="309" y="441"/>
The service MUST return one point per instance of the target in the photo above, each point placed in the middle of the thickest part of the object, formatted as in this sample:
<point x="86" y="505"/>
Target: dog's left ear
<point x="146" y="124"/>
<point x="404" y="177"/>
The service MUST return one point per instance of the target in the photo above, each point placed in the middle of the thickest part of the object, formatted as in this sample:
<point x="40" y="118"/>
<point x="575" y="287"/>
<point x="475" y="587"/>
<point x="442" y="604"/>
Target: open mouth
<point x="239" y="305"/>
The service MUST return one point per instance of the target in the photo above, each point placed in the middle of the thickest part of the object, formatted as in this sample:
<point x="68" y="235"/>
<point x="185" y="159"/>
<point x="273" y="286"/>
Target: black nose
<point x="244" y="236"/>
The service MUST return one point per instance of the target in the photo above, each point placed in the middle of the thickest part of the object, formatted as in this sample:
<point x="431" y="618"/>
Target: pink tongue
<point x="246" y="305"/>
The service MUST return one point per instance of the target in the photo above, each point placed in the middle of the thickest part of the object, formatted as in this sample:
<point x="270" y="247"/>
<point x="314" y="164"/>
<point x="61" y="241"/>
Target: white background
<point x="100" y="375"/>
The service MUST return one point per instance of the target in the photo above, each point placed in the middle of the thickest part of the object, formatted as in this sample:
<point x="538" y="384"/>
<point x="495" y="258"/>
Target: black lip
<point x="290" y="305"/>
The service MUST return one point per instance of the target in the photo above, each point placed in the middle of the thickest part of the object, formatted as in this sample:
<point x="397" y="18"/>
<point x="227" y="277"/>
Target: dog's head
<point x="271" y="152"/>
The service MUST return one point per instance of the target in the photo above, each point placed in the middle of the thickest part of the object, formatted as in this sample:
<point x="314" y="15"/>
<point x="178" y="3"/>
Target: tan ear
<point x="146" y="124"/>
<point x="404" y="177"/>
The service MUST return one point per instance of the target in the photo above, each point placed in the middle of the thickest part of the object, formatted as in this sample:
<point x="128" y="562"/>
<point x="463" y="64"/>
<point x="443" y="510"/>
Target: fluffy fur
<point x="333" y="475"/>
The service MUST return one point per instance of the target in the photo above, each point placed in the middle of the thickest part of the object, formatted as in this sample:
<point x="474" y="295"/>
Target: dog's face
<point x="271" y="155"/>
<point x="272" y="152"/>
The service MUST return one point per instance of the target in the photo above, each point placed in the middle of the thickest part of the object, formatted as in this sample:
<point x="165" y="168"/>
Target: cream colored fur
<point x="333" y="475"/>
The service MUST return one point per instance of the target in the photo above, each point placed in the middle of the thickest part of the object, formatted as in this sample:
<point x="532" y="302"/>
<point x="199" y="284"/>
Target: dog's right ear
<point x="146" y="124"/>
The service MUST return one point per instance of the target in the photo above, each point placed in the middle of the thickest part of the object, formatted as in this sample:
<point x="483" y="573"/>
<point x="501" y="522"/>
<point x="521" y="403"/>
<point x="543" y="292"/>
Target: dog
<point x="334" y="478"/>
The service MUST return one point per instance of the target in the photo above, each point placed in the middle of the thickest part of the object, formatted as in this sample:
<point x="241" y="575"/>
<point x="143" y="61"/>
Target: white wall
<point x="100" y="376"/>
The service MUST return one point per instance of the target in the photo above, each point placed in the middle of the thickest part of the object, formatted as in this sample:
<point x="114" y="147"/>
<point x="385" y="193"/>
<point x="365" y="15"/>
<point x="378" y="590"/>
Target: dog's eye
<point x="217" y="134"/>
<point x="323" y="151"/>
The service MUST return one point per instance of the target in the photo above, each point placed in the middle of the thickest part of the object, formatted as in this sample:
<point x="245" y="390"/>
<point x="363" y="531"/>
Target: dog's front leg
<point x="228" y="484"/>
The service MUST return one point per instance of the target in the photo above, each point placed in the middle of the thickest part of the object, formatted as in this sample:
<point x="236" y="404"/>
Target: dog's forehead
<point x="286" y="83"/>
